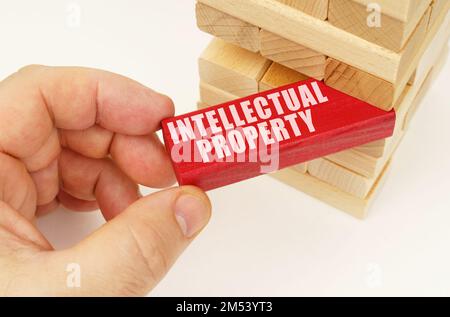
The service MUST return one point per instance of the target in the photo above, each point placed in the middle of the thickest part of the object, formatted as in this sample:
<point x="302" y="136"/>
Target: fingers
<point x="38" y="98"/>
<point x="21" y="227"/>
<point x="144" y="159"/>
<point x="21" y="102"/>
<point x="89" y="179"/>
<point x="48" y="152"/>
<point x="79" y="97"/>
<point x="47" y="208"/>
<point x="132" y="252"/>
<point x="75" y="204"/>
<point x="92" y="142"/>
<point x="96" y="103"/>
<point x="67" y="201"/>
<point x="46" y="183"/>
<point x="16" y="186"/>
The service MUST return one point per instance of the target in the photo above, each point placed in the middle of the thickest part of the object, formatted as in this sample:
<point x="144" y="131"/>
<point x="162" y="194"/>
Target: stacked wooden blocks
<point x="382" y="52"/>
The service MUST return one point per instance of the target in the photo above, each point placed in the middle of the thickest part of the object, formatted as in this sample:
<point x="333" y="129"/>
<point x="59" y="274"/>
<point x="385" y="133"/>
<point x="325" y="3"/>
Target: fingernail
<point x="191" y="213"/>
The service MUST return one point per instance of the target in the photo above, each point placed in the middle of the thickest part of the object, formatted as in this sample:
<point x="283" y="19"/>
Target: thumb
<point x="130" y="254"/>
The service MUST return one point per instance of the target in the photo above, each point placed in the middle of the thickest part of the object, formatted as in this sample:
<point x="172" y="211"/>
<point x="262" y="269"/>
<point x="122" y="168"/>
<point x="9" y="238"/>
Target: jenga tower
<point x="383" y="52"/>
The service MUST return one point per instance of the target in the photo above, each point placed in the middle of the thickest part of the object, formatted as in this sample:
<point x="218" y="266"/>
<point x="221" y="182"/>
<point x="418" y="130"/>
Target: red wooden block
<point x="268" y="131"/>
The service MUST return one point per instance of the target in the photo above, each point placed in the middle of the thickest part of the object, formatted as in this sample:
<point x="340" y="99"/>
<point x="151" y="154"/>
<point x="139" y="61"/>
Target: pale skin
<point x="84" y="139"/>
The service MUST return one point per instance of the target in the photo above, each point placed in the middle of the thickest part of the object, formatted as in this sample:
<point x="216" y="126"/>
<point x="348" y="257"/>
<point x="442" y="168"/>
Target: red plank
<point x="250" y="136"/>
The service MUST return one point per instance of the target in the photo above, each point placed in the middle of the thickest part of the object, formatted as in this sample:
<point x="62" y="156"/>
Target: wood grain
<point x="369" y="166"/>
<point x="437" y="67"/>
<point x="278" y="75"/>
<point x="359" y="84"/>
<point x="438" y="7"/>
<point x="329" y="129"/>
<point x="315" y="8"/>
<point x="370" y="88"/>
<point x="433" y="50"/>
<point x="341" y="177"/>
<point x="231" y="68"/>
<point x="392" y="34"/>
<point x="375" y="149"/>
<point x="301" y="168"/>
<point x="363" y="164"/>
<point x="402" y="10"/>
<point x="228" y="28"/>
<point x="313" y="33"/>
<point x="211" y="95"/>
<point x="327" y="39"/>
<point x="292" y="55"/>
<point x="201" y="105"/>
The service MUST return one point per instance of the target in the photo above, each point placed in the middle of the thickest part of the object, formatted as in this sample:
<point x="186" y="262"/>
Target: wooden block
<point x="349" y="182"/>
<point x="278" y="75"/>
<point x="211" y="95"/>
<point x="392" y="33"/>
<point x="433" y="50"/>
<point x="232" y="68"/>
<point x="225" y="144"/>
<point x="359" y="84"/>
<point x="424" y="89"/>
<point x="327" y="39"/>
<point x="201" y="105"/>
<point x="227" y="28"/>
<point x="293" y="55"/>
<point x="438" y="8"/>
<point x="370" y="166"/>
<point x="357" y="207"/>
<point x="340" y="177"/>
<point x="375" y="149"/>
<point x="413" y="50"/>
<point x="412" y="78"/>
<point x="301" y="168"/>
<point x="431" y="57"/>
<point x="315" y="8"/>
<point x="363" y="164"/>
<point x="442" y="21"/>
<point x="429" y="67"/>
<point x="403" y="10"/>
<point x="318" y="35"/>
<point x="417" y="101"/>
<point x="370" y="88"/>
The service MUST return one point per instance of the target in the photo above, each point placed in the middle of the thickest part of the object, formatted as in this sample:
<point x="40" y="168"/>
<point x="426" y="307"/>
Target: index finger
<point x="37" y="98"/>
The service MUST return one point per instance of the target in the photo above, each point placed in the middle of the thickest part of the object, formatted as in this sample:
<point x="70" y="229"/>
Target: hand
<point x="84" y="138"/>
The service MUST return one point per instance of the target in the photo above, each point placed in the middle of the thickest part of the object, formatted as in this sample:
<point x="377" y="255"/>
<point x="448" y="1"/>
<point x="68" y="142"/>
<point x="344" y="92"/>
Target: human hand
<point x="84" y="138"/>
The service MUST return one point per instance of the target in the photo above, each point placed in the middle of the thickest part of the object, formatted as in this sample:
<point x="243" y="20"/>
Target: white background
<point x="264" y="238"/>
